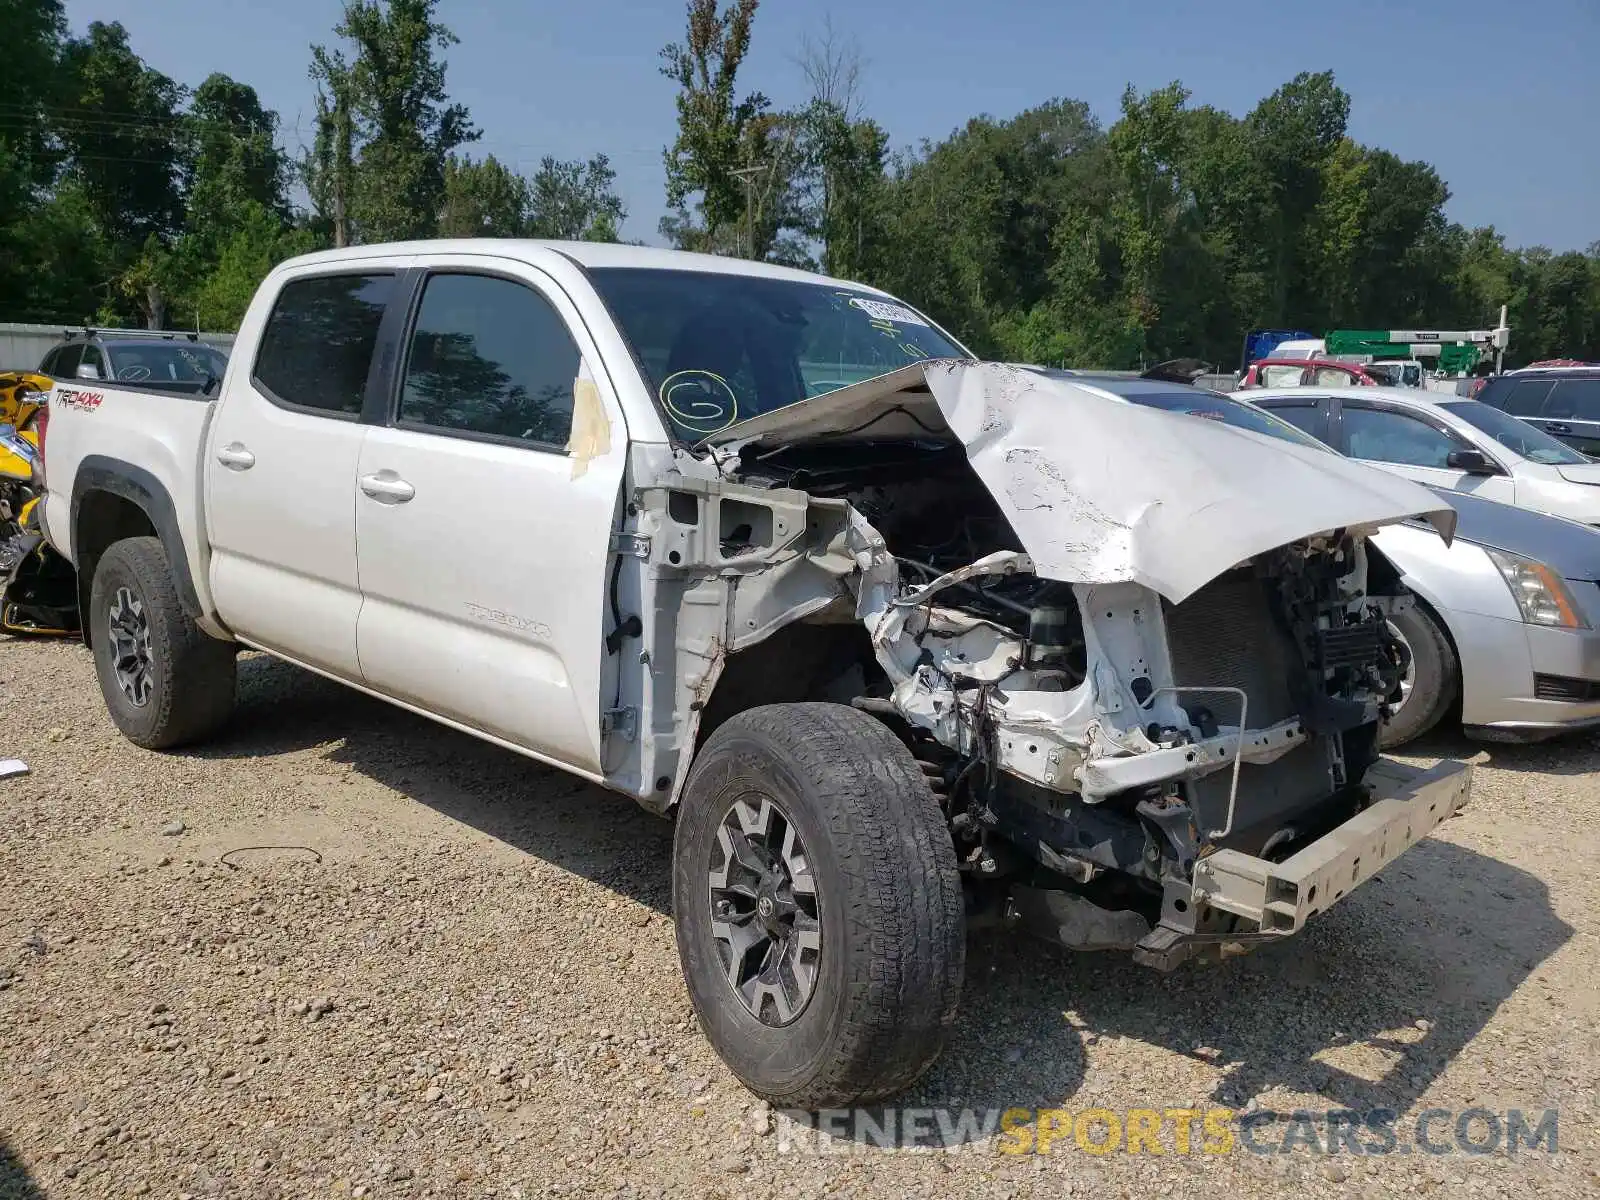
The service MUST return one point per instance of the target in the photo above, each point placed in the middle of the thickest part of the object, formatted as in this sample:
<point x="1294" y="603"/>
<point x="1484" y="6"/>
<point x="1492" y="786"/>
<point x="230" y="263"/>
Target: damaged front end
<point x="1143" y="658"/>
<point x="1103" y="744"/>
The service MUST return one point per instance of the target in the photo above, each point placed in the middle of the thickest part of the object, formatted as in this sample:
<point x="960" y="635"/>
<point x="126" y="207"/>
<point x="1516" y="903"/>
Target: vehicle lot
<point x="475" y="990"/>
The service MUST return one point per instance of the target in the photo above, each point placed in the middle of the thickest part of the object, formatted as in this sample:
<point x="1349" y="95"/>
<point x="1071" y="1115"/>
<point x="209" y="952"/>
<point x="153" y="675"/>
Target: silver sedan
<point x="1508" y="616"/>
<point x="1509" y="622"/>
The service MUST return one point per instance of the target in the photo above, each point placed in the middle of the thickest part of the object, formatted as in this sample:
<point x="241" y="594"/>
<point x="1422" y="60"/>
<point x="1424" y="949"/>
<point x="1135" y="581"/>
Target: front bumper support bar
<point x="1408" y="803"/>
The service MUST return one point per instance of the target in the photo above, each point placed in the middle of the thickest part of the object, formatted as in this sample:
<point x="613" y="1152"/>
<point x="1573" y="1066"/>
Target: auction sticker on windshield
<point x="883" y="310"/>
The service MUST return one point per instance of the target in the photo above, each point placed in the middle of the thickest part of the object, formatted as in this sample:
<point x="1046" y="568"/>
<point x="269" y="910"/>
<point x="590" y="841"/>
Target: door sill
<point x="458" y="726"/>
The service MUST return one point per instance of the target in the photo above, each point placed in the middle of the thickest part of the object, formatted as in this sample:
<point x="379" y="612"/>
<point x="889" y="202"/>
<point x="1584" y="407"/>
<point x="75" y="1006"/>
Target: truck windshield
<point x="717" y="348"/>
<point x="1515" y="435"/>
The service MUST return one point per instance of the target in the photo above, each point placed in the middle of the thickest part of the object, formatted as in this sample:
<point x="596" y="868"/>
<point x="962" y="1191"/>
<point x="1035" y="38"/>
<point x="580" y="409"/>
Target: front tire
<point x="818" y="906"/>
<point x="1433" y="681"/>
<point x="165" y="681"/>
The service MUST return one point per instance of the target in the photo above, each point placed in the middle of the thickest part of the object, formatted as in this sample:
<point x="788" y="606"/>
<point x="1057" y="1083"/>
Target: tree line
<point x="130" y="198"/>
<point x="1047" y="236"/>
<point x="1050" y="237"/>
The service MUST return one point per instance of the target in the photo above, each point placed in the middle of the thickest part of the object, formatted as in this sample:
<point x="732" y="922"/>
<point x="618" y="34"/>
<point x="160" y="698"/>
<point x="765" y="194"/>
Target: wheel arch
<point x="113" y="500"/>
<point x="1435" y="612"/>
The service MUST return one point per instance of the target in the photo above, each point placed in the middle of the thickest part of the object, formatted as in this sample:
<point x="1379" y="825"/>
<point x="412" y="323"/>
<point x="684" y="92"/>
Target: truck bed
<point x="151" y="438"/>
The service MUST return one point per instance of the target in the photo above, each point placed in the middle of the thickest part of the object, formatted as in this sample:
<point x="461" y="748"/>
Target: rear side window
<point x="1522" y="398"/>
<point x="1575" y="399"/>
<point x="67" y="360"/>
<point x="490" y="357"/>
<point x="317" y="346"/>
<point x="1304" y="417"/>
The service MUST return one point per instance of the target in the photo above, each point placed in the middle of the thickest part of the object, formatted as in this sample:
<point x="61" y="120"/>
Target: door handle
<point x="387" y="487"/>
<point x="1558" y="427"/>
<point x="235" y="457"/>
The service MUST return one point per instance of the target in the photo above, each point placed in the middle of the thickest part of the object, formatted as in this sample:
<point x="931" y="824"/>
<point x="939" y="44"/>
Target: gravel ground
<point x="452" y="973"/>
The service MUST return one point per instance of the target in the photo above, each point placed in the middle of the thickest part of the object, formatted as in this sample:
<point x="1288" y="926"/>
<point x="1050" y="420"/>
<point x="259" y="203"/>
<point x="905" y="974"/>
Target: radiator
<point x="1225" y="636"/>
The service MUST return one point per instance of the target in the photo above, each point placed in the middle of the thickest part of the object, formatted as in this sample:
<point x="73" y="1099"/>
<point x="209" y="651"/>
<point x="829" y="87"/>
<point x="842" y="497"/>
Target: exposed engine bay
<point x="1134" y="771"/>
<point x="1105" y="690"/>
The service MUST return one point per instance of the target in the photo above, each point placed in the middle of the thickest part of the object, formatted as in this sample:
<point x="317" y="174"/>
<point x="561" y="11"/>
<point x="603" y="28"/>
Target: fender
<point x="100" y="473"/>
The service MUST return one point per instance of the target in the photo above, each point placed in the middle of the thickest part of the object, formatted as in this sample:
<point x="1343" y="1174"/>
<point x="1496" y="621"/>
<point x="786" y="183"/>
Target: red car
<point x="1306" y="372"/>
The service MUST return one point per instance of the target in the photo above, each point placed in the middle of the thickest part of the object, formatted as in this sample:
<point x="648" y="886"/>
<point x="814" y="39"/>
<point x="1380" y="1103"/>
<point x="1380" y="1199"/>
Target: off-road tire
<point x="1437" y="682"/>
<point x="193" y="674"/>
<point x="891" y="910"/>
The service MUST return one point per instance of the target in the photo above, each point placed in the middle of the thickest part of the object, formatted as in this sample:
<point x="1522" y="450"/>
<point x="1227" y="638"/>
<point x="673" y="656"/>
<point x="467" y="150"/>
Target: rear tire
<point x="166" y="682"/>
<point x="848" y="812"/>
<point x="1436" y="678"/>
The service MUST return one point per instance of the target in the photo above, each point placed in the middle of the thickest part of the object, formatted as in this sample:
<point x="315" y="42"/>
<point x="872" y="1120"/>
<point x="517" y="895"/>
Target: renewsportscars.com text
<point x="1162" y="1131"/>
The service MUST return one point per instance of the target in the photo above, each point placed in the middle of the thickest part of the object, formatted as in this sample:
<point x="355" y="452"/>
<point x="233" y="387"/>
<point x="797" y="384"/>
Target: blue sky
<point x="1504" y="99"/>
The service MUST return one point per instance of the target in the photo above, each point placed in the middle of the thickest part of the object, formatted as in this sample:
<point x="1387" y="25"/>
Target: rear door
<point x="1572" y="412"/>
<point x="484" y="540"/>
<point x="281" y="467"/>
<point x="1409" y="444"/>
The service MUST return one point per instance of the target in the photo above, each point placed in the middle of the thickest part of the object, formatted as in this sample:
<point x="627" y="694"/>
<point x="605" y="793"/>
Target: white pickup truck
<point x="902" y="640"/>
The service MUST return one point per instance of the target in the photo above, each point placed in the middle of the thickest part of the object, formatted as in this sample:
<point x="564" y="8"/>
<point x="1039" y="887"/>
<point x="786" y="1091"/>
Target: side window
<point x="1276" y="377"/>
<point x="1331" y="377"/>
<point x="1524" y="398"/>
<point x="93" y="357"/>
<point x="317" y="345"/>
<point x="1392" y="437"/>
<point x="492" y="357"/>
<point x="1575" y="399"/>
<point x="67" y="362"/>
<point x="48" y="365"/>
<point x="1303" y="417"/>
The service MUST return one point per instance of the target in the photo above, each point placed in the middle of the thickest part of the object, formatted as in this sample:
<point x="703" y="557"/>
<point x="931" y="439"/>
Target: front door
<point x="484" y="541"/>
<point x="281" y="469"/>
<point x="1406" y="444"/>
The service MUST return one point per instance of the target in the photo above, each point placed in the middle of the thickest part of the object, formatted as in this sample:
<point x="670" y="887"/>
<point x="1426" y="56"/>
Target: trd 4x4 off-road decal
<point x="83" y="401"/>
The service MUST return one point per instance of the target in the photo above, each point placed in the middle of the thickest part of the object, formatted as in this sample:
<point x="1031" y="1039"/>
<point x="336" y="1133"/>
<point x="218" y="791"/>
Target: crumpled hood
<point x="1100" y="490"/>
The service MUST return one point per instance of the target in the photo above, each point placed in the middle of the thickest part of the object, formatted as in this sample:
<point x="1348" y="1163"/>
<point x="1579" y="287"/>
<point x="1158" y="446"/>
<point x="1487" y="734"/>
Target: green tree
<point x="839" y="188"/>
<point x="1151" y="205"/>
<point x="386" y="125"/>
<point x="972" y="225"/>
<point x="575" y="201"/>
<point x="1402" y="262"/>
<point x="483" y="199"/>
<point x="124" y="137"/>
<point x="328" y="167"/>
<point x="234" y="156"/>
<point x="258" y="241"/>
<point x="61" y="269"/>
<point x="844" y="162"/>
<point x="1335" y="233"/>
<point x="715" y="136"/>
<point x="33" y="33"/>
<point x="1293" y="134"/>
